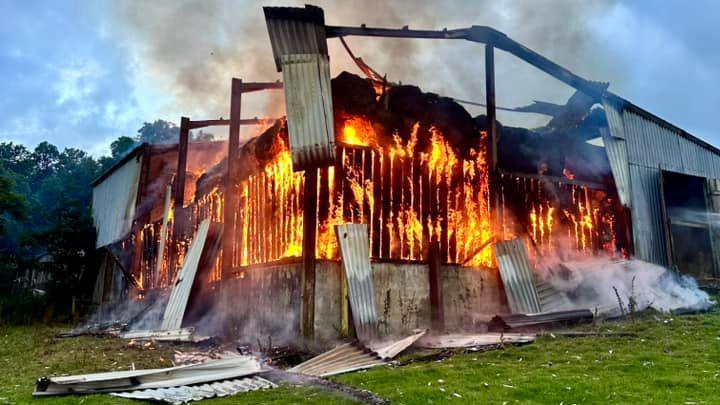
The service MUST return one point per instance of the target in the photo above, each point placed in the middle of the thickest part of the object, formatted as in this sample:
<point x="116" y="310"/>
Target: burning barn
<point x="435" y="187"/>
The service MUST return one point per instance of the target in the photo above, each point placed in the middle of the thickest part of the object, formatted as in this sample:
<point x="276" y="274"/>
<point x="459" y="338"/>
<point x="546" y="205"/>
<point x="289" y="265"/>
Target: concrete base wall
<point x="266" y="302"/>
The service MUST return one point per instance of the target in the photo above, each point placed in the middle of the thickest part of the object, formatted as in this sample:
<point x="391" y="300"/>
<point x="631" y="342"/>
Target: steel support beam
<point x="485" y="35"/>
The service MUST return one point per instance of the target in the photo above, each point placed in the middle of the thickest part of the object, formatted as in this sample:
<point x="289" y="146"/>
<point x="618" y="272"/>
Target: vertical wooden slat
<point x="425" y="206"/>
<point x="386" y="208"/>
<point x="443" y="202"/>
<point x="396" y="204"/>
<point x="377" y="207"/>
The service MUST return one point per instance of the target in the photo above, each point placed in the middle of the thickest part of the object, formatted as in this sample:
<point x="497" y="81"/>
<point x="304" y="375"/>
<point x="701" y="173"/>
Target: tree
<point x="160" y="131"/>
<point x="121" y="146"/>
<point x="12" y="205"/>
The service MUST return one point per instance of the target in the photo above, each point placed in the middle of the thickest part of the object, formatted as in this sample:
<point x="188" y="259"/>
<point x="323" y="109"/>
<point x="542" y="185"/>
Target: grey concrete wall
<point x="471" y="297"/>
<point x="266" y="302"/>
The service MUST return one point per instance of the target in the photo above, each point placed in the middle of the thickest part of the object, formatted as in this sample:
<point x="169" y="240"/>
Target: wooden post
<point x="182" y="162"/>
<point x="230" y="204"/>
<point x="307" y="325"/>
<point x="180" y="223"/>
<point x="437" y="313"/>
<point x="493" y="139"/>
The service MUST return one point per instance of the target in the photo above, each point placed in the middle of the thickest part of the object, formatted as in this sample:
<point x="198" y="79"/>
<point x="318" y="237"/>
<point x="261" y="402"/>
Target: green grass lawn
<point x="673" y="360"/>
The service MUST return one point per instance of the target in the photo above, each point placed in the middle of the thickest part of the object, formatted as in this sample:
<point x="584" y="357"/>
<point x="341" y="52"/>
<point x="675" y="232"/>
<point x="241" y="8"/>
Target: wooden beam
<point x="307" y="325"/>
<point x="230" y="203"/>
<point x="437" y="312"/>
<point x="182" y="162"/>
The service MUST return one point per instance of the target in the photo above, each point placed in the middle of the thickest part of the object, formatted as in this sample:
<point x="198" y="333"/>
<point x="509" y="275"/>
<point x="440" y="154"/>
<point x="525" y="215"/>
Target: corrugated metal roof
<point x="342" y="359"/>
<point x="175" y="310"/>
<point x="113" y="201"/>
<point x="295" y="30"/>
<point x="355" y="254"/>
<point x="185" y="394"/>
<point x="131" y="380"/>
<point x="517" y="276"/>
<point x="308" y="101"/>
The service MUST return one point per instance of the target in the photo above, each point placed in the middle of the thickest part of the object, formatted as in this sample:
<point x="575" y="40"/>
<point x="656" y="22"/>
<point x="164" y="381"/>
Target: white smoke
<point x="601" y="283"/>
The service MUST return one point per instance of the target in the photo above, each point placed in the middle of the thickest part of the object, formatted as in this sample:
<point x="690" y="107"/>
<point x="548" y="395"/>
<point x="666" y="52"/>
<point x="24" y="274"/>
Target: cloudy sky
<point x="81" y="74"/>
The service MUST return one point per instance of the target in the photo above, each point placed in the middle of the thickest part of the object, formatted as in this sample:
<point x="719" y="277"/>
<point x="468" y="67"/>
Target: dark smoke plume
<point x="193" y="48"/>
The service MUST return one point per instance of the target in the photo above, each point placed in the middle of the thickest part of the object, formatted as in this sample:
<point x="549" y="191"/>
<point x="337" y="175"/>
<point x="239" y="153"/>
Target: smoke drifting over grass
<point x="598" y="283"/>
<point x="192" y="49"/>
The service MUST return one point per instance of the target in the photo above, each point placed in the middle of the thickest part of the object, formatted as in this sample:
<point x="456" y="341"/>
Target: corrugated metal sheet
<point x="113" y="202"/>
<point x="517" y="277"/>
<point x="532" y="321"/>
<point x="355" y="254"/>
<point x="131" y="380"/>
<point x="175" y="310"/>
<point x="308" y="101"/>
<point x="342" y="359"/>
<point x="648" y="228"/>
<point x="550" y="298"/>
<point x="616" y="148"/>
<point x="296" y="30"/>
<point x="454" y="341"/>
<point x="185" y="394"/>
<point x="388" y="350"/>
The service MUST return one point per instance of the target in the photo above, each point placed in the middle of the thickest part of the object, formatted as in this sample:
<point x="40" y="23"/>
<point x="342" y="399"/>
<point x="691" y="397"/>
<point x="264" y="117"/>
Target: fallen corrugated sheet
<point x="178" y="335"/>
<point x="551" y="299"/>
<point x="175" y="310"/>
<point x="342" y="359"/>
<point x="456" y="341"/>
<point x="547" y="319"/>
<point x="388" y="350"/>
<point x="160" y="261"/>
<point x="184" y="394"/>
<point x="517" y="277"/>
<point x="355" y="254"/>
<point x="132" y="380"/>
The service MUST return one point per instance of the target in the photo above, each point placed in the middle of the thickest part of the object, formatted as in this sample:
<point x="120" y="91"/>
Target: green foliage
<point x="159" y="131"/>
<point x="45" y="217"/>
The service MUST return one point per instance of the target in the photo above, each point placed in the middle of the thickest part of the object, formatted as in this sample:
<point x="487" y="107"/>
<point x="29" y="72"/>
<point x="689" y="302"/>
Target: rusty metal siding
<point x="517" y="277"/>
<point x="648" y="230"/>
<point x="308" y="101"/>
<point x="294" y="30"/>
<point x="652" y="145"/>
<point x="113" y="202"/>
<point x="355" y="254"/>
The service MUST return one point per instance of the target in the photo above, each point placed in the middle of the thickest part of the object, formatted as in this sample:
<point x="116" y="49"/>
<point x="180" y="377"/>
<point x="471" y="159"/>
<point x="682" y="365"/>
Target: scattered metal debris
<point x="389" y="350"/>
<point x="535" y="321"/>
<point x="132" y="380"/>
<point x="95" y="329"/>
<point x="455" y="341"/>
<point x="179" y="335"/>
<point x="185" y="394"/>
<point x="342" y="359"/>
